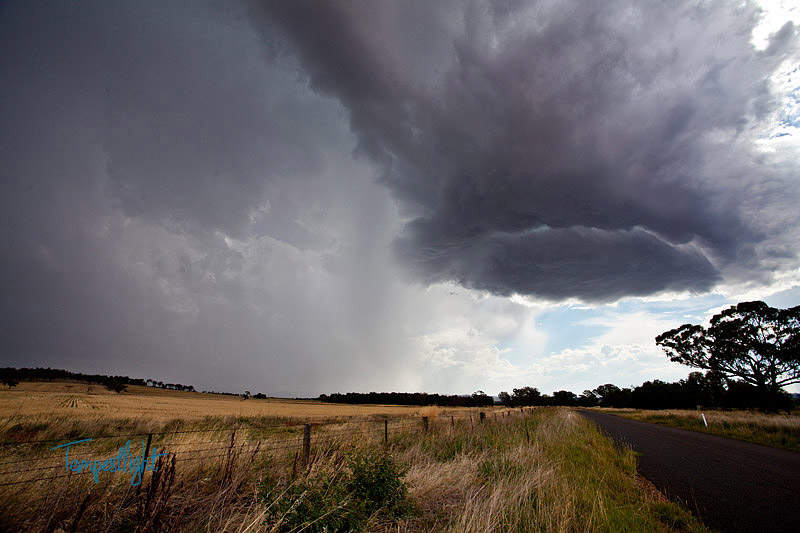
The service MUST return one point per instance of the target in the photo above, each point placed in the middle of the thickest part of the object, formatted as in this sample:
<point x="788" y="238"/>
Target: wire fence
<point x="20" y="464"/>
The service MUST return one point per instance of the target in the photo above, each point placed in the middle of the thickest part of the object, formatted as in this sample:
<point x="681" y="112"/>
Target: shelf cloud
<point x="559" y="149"/>
<point x="300" y="197"/>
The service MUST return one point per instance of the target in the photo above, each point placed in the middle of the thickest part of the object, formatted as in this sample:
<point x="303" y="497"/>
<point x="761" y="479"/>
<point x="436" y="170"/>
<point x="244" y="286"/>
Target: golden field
<point x="232" y="465"/>
<point x="81" y="400"/>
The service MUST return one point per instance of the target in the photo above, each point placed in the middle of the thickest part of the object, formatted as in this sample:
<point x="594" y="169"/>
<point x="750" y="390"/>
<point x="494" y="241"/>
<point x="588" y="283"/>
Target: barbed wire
<point x="374" y="427"/>
<point x="285" y="424"/>
<point x="394" y="422"/>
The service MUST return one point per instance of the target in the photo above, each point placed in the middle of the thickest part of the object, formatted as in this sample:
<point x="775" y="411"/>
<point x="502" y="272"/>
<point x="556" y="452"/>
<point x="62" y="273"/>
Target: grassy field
<point x="541" y="470"/>
<point x="778" y="430"/>
<point x="36" y="399"/>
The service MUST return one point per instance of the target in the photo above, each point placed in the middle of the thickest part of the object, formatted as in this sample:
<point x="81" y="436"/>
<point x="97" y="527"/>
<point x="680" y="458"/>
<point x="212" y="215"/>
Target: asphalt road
<point x="732" y="485"/>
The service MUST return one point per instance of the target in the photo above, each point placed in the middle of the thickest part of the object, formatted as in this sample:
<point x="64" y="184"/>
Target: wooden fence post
<point x="482" y="415"/>
<point x="306" y="444"/>
<point x="144" y="460"/>
<point x="425" y="423"/>
<point x="386" y="431"/>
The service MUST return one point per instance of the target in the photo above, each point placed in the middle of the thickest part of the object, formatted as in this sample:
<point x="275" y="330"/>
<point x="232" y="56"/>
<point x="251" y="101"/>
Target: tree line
<point x="476" y="399"/>
<point x="12" y="376"/>
<point x="749" y="351"/>
<point x="709" y="390"/>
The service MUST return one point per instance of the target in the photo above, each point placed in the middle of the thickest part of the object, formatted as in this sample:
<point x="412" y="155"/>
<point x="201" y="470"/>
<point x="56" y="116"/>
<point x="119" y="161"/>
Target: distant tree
<point x="481" y="399"/>
<point x="703" y="390"/>
<point x="526" y="396"/>
<point x="564" y="397"/>
<point x="246" y="395"/>
<point x="750" y="341"/>
<point x="588" y="399"/>
<point x="116" y="386"/>
<point x="612" y="396"/>
<point x="658" y="394"/>
<point x="505" y="398"/>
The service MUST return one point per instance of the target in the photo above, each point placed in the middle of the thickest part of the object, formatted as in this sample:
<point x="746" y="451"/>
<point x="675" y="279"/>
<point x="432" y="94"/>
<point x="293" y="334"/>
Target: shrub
<point x="338" y="498"/>
<point x="377" y="485"/>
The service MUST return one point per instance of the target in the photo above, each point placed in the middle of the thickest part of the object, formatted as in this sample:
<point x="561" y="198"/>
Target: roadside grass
<point x="556" y="472"/>
<point x="542" y="470"/>
<point x="777" y="430"/>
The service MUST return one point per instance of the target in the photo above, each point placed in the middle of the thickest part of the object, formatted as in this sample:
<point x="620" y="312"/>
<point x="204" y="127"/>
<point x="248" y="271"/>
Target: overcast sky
<point x="299" y="198"/>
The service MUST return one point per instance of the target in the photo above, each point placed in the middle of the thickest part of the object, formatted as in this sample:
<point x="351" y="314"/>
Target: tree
<point x="116" y="386"/>
<point x="612" y="396"/>
<point x="480" y="399"/>
<point x="587" y="399"/>
<point x="505" y="398"/>
<point x="527" y="396"/>
<point x="564" y="397"/>
<point x="751" y="341"/>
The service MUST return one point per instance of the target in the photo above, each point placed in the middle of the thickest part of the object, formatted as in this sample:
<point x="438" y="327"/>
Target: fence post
<point x="425" y="423"/>
<point x="144" y="459"/>
<point x="482" y="415"/>
<point x="386" y="431"/>
<point x="306" y="444"/>
<point x="452" y="421"/>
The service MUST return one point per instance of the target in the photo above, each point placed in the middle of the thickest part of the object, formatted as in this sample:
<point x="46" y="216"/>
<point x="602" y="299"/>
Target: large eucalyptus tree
<point x="751" y="341"/>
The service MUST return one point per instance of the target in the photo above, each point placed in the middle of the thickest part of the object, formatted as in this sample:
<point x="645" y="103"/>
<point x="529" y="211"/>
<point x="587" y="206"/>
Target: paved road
<point x="732" y="485"/>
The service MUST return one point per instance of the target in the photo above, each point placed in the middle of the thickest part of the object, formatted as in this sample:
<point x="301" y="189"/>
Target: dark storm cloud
<point x="179" y="197"/>
<point x="592" y="263"/>
<point x="137" y="140"/>
<point x="559" y="149"/>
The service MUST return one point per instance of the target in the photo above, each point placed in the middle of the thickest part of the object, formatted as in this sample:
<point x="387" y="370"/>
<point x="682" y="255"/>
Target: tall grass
<point x="547" y="470"/>
<point x="552" y="471"/>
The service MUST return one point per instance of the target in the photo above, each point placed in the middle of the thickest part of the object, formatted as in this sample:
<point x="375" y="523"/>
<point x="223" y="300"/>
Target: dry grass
<point x="778" y="430"/>
<point x="35" y="399"/>
<point x="551" y="471"/>
<point x="544" y="470"/>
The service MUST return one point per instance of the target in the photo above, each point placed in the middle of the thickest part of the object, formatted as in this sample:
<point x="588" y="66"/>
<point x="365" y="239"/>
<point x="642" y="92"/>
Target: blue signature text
<point x="135" y="465"/>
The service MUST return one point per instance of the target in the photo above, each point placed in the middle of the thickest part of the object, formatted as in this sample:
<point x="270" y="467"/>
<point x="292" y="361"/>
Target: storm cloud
<point x="174" y="198"/>
<point x="560" y="149"/>
<point x="301" y="197"/>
